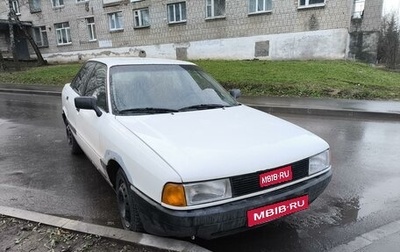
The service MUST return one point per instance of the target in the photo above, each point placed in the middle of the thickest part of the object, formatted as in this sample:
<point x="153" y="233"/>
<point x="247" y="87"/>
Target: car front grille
<point x="249" y="183"/>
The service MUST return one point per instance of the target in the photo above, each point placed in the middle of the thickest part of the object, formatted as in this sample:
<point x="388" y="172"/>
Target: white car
<point x="184" y="157"/>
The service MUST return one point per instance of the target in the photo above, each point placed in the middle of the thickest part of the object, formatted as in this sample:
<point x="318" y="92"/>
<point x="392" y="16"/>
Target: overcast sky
<point x="390" y="6"/>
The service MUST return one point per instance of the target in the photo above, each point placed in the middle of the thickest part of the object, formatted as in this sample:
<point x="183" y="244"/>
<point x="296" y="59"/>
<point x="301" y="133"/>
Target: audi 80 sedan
<point x="183" y="156"/>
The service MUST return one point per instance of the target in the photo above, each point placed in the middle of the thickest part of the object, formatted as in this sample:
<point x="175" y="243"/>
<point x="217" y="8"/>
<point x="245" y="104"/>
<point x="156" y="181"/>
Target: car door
<point x="90" y="125"/>
<point x="75" y="89"/>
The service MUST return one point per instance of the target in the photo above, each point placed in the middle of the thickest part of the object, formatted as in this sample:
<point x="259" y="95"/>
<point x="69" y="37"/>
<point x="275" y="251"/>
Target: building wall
<point x="364" y="32"/>
<point x="286" y="32"/>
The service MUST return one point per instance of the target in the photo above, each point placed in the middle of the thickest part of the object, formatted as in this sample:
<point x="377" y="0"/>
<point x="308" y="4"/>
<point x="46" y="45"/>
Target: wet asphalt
<point x="38" y="173"/>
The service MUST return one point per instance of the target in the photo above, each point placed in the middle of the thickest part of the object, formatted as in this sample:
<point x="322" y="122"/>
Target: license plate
<point x="271" y="212"/>
<point x="277" y="176"/>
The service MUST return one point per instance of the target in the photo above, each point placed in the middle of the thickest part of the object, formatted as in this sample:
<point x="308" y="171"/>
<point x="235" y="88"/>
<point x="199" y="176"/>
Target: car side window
<point x="79" y="82"/>
<point x="96" y="85"/>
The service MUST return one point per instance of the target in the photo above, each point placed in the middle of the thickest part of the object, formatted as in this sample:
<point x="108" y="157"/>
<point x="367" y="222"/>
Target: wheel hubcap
<point x="123" y="205"/>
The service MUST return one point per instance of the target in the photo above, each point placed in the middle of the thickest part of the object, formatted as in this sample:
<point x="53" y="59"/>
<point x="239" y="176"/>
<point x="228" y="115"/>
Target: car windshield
<point x="164" y="88"/>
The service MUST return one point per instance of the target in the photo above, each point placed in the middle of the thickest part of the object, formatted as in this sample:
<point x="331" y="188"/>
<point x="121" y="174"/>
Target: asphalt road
<point x="37" y="173"/>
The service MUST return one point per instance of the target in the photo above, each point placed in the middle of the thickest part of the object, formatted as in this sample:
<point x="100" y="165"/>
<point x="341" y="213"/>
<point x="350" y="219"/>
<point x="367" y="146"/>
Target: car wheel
<point x="127" y="208"/>
<point x="75" y="148"/>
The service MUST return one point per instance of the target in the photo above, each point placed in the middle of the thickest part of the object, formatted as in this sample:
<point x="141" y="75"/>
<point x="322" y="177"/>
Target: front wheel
<point x="128" y="211"/>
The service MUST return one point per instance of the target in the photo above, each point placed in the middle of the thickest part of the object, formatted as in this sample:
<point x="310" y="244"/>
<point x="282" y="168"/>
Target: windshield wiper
<point x="202" y="106"/>
<point x="148" y="110"/>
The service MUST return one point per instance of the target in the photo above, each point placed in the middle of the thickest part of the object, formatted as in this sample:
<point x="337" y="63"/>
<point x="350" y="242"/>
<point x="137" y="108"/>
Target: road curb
<point x="146" y="240"/>
<point x="363" y="241"/>
<point x="28" y="91"/>
<point x="326" y="112"/>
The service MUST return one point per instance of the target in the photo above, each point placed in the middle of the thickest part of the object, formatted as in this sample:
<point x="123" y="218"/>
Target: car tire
<point x="128" y="210"/>
<point x="75" y="148"/>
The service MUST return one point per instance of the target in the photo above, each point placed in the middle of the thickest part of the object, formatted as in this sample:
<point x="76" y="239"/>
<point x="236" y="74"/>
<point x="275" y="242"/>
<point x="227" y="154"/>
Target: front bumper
<point x="221" y="220"/>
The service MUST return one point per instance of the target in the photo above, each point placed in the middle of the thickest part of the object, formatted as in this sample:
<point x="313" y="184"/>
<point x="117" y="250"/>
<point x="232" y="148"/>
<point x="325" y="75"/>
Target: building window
<point x="141" y="17"/>
<point x="259" y="6"/>
<point x="35" y="6"/>
<point x="215" y="8"/>
<point x="15" y="7"/>
<point x="91" y="29"/>
<point x="358" y="9"/>
<point x="63" y="33"/>
<point x="40" y="36"/>
<point x="176" y="12"/>
<point x="57" y="3"/>
<point x="116" y="21"/>
<point x="81" y="1"/>
<point x="311" y="3"/>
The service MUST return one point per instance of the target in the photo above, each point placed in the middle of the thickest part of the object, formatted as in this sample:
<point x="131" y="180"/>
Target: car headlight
<point x="196" y="193"/>
<point x="319" y="162"/>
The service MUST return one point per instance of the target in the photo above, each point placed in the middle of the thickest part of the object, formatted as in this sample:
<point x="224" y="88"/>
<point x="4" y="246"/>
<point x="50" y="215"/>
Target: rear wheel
<point x="75" y="148"/>
<point x="127" y="208"/>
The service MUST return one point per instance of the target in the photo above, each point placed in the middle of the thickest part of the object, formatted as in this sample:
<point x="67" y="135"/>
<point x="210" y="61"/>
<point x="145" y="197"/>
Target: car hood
<point x="218" y="143"/>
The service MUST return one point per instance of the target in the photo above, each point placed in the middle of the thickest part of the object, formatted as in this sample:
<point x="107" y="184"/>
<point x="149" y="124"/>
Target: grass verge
<point x="336" y="79"/>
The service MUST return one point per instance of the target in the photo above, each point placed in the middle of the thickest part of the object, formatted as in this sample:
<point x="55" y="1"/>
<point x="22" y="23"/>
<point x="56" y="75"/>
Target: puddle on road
<point x="373" y="200"/>
<point x="385" y="194"/>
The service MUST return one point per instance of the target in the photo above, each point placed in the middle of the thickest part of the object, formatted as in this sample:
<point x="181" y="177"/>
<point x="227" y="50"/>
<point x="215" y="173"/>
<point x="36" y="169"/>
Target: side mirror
<point x="87" y="102"/>
<point x="235" y="93"/>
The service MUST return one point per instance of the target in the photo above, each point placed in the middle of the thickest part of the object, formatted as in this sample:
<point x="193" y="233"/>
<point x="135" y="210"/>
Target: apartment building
<point x="71" y="30"/>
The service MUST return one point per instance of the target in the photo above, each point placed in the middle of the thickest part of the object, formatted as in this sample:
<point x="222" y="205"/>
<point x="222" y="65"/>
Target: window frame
<point x="57" y="3"/>
<point x="66" y="29"/>
<point x="355" y="13"/>
<point x="181" y="12"/>
<point x="39" y="3"/>
<point x="42" y="30"/>
<point x="257" y="4"/>
<point x="138" y="13"/>
<point x="15" y="6"/>
<point x="308" y="5"/>
<point x="110" y="19"/>
<point x="91" y="29"/>
<point x="211" y="4"/>
<point x="81" y="1"/>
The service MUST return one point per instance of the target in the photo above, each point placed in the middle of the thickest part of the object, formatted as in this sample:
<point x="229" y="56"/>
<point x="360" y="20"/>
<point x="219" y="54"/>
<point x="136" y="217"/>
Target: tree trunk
<point x="12" y="42"/>
<point x="40" y="59"/>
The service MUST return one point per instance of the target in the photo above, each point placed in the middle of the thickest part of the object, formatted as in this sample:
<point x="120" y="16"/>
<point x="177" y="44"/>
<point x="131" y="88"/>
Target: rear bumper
<point x="229" y="218"/>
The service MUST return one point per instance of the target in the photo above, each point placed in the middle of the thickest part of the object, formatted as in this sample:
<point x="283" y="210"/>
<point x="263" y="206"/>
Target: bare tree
<point x="389" y="42"/>
<point x="13" y="19"/>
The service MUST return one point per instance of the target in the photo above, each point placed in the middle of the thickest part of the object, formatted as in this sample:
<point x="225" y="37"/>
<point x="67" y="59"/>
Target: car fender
<point x="143" y="167"/>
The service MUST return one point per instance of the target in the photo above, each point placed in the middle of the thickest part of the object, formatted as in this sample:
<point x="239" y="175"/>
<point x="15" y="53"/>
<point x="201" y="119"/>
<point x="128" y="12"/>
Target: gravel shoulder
<point x="22" y="235"/>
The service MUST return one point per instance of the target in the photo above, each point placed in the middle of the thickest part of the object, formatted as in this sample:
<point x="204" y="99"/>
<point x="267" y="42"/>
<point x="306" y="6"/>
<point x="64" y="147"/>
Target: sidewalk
<point x="326" y="107"/>
<point x="386" y="238"/>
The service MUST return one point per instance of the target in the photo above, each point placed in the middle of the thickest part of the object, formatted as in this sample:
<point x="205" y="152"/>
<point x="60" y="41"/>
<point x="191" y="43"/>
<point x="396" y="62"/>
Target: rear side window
<point x="80" y="80"/>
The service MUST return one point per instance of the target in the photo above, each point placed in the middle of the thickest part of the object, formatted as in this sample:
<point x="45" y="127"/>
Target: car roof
<point x="113" y="61"/>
